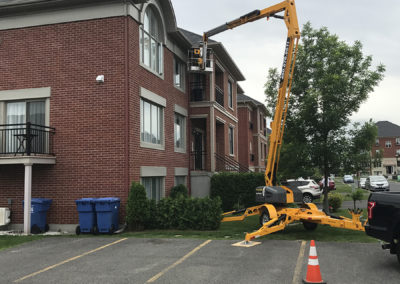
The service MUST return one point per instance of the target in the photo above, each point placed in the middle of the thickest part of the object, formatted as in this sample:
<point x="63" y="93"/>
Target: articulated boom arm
<point x="290" y="17"/>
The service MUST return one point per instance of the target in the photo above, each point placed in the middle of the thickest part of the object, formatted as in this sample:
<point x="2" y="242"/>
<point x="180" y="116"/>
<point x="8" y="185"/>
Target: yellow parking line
<point x="297" y="270"/>
<point x="68" y="260"/>
<point x="154" y="278"/>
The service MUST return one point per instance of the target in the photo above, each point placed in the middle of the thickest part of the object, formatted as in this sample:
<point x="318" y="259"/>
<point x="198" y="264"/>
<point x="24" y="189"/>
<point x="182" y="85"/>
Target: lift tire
<point x="78" y="230"/>
<point x="264" y="217"/>
<point x="309" y="226"/>
<point x="307" y="198"/>
<point x="398" y="251"/>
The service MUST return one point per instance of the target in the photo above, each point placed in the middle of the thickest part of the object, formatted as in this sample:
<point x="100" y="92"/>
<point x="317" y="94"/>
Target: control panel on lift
<point x="196" y="62"/>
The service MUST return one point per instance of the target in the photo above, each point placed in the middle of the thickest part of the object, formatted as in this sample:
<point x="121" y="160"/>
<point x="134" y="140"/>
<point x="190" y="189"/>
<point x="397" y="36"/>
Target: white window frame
<point x="398" y="152"/>
<point x="182" y="148"/>
<point x="179" y="71"/>
<point x="376" y="142"/>
<point x="153" y="15"/>
<point x="388" y="144"/>
<point x="231" y="140"/>
<point x="398" y="141"/>
<point x="230" y="94"/>
<point x="149" y="192"/>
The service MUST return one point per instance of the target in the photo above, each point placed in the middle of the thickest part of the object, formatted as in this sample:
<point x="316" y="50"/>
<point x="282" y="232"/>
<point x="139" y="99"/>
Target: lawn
<point x="12" y="241"/>
<point x="237" y="230"/>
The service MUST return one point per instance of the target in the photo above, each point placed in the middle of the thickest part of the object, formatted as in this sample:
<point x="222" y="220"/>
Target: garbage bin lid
<point x="107" y="199"/>
<point x="89" y="199"/>
<point x="40" y="200"/>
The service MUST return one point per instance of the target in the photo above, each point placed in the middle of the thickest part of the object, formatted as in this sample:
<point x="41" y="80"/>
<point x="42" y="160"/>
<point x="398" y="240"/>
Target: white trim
<point x="66" y="15"/>
<point x="223" y="110"/>
<point x="25" y="160"/>
<point x="153" y="146"/>
<point x="194" y="116"/>
<point x="180" y="110"/>
<point x="149" y="95"/>
<point x="146" y="171"/>
<point x="181" y="171"/>
<point x="220" y="119"/>
<point x="25" y="94"/>
<point x="184" y="128"/>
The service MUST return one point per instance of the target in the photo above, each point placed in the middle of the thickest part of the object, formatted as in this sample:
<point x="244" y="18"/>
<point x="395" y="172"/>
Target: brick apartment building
<point x="387" y="145"/>
<point x="95" y="94"/>
<point x="253" y="133"/>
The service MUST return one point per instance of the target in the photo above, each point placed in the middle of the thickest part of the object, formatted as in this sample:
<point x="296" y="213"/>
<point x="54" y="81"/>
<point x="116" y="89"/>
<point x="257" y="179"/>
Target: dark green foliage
<point x="137" y="207"/>
<point x="357" y="195"/>
<point x="236" y="188"/>
<point x="335" y="200"/>
<point x="189" y="213"/>
<point x="178" y="190"/>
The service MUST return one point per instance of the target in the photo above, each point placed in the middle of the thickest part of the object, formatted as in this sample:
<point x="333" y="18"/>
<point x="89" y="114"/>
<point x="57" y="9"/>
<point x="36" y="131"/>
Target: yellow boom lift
<point x="274" y="213"/>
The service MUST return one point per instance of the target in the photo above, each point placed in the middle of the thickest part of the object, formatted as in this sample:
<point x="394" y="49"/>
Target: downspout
<point x="126" y="99"/>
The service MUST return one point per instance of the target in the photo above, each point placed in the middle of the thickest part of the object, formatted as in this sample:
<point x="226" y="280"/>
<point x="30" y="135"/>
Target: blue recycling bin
<point x="39" y="208"/>
<point x="107" y="211"/>
<point x="87" y="215"/>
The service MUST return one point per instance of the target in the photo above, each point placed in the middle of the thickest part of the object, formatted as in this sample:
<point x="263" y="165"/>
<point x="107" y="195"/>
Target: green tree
<point x="331" y="80"/>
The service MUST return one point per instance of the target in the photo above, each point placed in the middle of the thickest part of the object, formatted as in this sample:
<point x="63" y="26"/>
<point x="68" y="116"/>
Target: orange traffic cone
<point x="313" y="272"/>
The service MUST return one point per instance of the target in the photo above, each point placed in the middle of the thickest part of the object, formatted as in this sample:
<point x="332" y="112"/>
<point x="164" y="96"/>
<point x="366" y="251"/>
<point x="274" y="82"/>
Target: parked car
<point x="348" y="179"/>
<point x="384" y="220"/>
<point x="331" y="183"/>
<point x="309" y="188"/>
<point x="377" y="183"/>
<point x="361" y="183"/>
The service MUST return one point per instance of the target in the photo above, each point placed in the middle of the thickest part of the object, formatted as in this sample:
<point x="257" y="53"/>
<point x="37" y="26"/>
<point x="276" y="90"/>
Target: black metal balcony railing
<point x="226" y="163"/>
<point x="219" y="95"/>
<point x="26" y="139"/>
<point x="197" y="92"/>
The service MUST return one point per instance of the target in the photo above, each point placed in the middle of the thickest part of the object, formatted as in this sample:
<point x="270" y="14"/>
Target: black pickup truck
<point x="384" y="220"/>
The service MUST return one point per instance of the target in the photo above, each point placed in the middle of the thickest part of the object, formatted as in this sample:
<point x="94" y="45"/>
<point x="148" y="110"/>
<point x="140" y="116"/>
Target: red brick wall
<point x="89" y="118"/>
<point x="244" y="136"/>
<point x="387" y="152"/>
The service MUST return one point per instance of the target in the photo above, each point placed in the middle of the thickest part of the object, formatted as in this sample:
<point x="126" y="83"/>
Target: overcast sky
<point x="258" y="46"/>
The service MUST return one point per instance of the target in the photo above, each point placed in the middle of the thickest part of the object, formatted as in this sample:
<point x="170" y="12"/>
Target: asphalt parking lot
<point x="134" y="260"/>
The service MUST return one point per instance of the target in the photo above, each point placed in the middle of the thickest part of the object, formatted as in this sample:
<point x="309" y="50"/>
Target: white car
<point x="362" y="182"/>
<point x="309" y="188"/>
<point x="377" y="183"/>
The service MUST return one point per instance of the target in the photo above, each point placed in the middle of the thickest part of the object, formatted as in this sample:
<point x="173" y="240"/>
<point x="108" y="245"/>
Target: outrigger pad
<point x="246" y="244"/>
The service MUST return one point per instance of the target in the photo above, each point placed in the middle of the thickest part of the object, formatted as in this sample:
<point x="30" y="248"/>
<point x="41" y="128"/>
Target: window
<point x="397" y="141"/>
<point x="154" y="187"/>
<point x="230" y="94"/>
<point x="230" y="134"/>
<point x="377" y="152"/>
<point x="179" y="130"/>
<point x="151" y="123"/>
<point x="377" y="142"/>
<point x="398" y="152"/>
<point x="151" y="41"/>
<point x="180" y="180"/>
<point x="179" y="74"/>
<point x="388" y="144"/>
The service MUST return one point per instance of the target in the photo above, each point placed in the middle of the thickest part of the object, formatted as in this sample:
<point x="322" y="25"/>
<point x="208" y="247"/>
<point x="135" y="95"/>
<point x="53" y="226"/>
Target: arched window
<point x="151" y="39"/>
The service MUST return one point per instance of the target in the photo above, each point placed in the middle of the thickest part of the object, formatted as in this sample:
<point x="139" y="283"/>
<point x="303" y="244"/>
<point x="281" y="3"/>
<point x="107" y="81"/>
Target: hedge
<point x="236" y="189"/>
<point x="179" y="212"/>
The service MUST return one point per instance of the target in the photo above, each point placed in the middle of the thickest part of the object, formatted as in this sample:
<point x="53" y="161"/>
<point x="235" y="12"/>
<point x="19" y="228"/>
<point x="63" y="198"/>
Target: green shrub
<point x="178" y="190"/>
<point x="137" y="207"/>
<point x="189" y="213"/>
<point x="335" y="200"/>
<point x="357" y="195"/>
<point x="234" y="188"/>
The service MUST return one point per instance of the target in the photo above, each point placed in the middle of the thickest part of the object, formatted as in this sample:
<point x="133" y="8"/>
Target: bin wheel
<point x="95" y="230"/>
<point x="35" y="229"/>
<point x="111" y="229"/>
<point x="78" y="230"/>
<point x="46" y="228"/>
<point x="310" y="226"/>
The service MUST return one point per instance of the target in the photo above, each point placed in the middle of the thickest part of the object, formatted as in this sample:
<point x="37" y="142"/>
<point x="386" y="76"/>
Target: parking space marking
<point x="68" y="260"/>
<point x="297" y="270"/>
<point x="182" y="259"/>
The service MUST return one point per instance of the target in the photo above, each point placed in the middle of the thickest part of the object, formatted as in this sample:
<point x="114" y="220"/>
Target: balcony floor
<point x="19" y="159"/>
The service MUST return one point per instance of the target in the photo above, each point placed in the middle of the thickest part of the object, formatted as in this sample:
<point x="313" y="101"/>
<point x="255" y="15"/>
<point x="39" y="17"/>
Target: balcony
<point x="21" y="142"/>
<point x="219" y="95"/>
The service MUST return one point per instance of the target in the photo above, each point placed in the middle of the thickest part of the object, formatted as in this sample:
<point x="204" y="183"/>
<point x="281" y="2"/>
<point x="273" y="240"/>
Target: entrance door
<point x="198" y="150"/>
